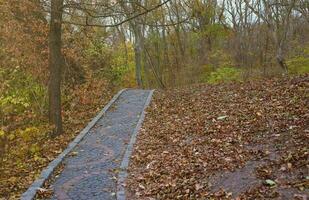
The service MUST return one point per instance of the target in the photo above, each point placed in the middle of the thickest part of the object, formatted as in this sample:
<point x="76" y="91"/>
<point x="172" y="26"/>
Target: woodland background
<point x="178" y="43"/>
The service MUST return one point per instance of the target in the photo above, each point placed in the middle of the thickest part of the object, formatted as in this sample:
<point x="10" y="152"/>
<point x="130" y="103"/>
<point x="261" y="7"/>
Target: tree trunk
<point x="138" y="54"/>
<point x="279" y="51"/>
<point x="280" y="60"/>
<point x="55" y="66"/>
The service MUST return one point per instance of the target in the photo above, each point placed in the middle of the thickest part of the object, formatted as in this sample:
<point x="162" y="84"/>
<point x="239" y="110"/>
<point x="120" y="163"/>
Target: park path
<point x="90" y="170"/>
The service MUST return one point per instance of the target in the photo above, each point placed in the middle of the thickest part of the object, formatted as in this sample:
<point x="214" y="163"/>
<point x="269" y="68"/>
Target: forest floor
<point x="228" y="141"/>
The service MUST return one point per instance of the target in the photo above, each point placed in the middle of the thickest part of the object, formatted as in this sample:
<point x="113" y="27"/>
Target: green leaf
<point x="270" y="182"/>
<point x="222" y="117"/>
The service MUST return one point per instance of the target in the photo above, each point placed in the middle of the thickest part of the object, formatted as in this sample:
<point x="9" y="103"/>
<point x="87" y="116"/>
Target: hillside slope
<point x="241" y="140"/>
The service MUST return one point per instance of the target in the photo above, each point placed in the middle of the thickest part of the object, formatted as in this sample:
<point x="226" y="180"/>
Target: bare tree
<point x="102" y="13"/>
<point x="277" y="15"/>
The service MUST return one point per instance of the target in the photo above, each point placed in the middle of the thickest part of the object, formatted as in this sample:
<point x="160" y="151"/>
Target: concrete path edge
<point x="46" y="173"/>
<point x="122" y="175"/>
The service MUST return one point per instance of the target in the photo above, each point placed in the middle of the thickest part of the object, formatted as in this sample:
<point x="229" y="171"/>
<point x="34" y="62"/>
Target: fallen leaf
<point x="270" y="182"/>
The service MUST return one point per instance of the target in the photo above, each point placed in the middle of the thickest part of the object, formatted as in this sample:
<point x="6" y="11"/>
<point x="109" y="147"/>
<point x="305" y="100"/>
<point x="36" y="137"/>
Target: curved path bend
<point x="91" y="169"/>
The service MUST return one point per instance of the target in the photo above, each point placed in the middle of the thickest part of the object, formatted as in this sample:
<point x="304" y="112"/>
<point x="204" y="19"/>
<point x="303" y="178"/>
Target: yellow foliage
<point x="34" y="149"/>
<point x="11" y="136"/>
<point x="2" y="133"/>
<point x="29" y="133"/>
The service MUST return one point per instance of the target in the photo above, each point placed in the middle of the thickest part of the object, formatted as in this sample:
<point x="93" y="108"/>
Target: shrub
<point x="299" y="64"/>
<point x="19" y="91"/>
<point x="121" y="71"/>
<point x="224" y="74"/>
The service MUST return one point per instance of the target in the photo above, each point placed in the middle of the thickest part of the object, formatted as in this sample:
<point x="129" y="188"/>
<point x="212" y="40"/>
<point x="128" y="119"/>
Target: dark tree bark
<point x="56" y="60"/>
<point x="55" y="66"/>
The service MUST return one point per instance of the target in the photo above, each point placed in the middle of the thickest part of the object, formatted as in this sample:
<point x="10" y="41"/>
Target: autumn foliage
<point x="26" y="145"/>
<point x="245" y="140"/>
<point x="191" y="134"/>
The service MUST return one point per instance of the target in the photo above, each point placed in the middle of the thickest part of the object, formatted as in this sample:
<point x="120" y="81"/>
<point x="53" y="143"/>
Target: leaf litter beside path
<point x="228" y="141"/>
<point x="20" y="166"/>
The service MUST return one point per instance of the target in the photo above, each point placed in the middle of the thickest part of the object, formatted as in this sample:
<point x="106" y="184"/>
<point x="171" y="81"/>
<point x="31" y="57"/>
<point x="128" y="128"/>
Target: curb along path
<point x="91" y="169"/>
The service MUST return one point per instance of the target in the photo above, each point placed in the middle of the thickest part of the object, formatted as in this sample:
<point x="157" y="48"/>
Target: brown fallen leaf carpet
<point x="229" y="141"/>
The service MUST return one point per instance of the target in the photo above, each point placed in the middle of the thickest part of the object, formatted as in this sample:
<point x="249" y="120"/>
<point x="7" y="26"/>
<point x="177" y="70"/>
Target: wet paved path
<point x="91" y="170"/>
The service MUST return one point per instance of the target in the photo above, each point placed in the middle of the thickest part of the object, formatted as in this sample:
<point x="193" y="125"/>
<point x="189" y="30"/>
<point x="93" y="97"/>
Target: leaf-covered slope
<point x="224" y="141"/>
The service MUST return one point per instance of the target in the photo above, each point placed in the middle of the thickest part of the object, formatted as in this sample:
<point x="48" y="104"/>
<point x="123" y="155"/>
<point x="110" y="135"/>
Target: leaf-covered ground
<point x="241" y="140"/>
<point x="31" y="150"/>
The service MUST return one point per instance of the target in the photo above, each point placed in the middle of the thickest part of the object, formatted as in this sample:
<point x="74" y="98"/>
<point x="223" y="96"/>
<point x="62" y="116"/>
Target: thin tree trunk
<point x="281" y="60"/>
<point x="165" y="48"/>
<point x="55" y="66"/>
<point x="138" y="55"/>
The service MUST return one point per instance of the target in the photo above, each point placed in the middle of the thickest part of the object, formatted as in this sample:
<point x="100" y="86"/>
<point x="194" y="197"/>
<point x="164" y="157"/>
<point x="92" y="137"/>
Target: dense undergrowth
<point x="92" y="72"/>
<point x="25" y="139"/>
